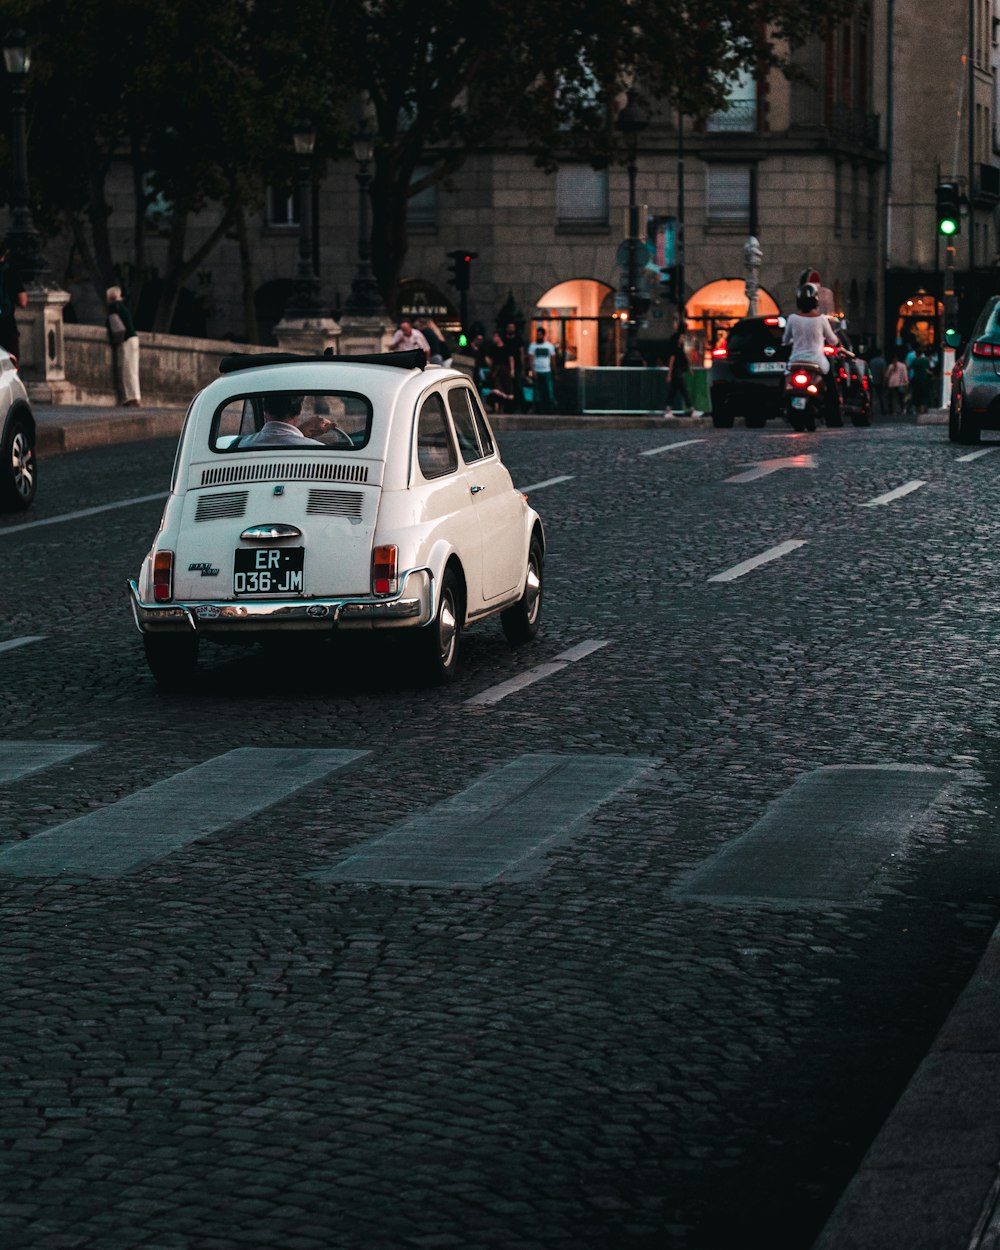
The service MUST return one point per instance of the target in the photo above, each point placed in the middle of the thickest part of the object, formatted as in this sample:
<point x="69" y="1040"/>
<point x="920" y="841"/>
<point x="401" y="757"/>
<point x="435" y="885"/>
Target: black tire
<point x="960" y="429"/>
<point x="953" y="418"/>
<point x="520" y="622"/>
<point x="18" y="473"/>
<point x="722" y="420"/>
<point x="797" y="419"/>
<point x="172" y="659"/>
<point x="438" y="644"/>
<point x="809" y="419"/>
<point x="755" y="420"/>
<point x="722" y="409"/>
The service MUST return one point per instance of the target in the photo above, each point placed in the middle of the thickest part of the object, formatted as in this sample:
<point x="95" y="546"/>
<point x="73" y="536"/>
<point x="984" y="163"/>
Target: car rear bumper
<point x="413" y="605"/>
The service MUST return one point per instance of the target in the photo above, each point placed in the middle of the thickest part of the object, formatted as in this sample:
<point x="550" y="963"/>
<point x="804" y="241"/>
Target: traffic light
<point x="461" y="263"/>
<point x="669" y="284"/>
<point x="949" y="220"/>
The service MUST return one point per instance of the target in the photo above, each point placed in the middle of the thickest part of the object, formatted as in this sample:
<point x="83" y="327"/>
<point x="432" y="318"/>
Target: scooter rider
<point x="807" y="330"/>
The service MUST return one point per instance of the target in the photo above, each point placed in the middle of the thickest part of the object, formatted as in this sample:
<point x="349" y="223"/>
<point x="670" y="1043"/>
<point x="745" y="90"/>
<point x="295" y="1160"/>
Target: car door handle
<point x="476" y="489"/>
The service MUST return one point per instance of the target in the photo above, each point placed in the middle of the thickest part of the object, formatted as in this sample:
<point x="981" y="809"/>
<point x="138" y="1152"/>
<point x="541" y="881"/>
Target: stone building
<point x="835" y="171"/>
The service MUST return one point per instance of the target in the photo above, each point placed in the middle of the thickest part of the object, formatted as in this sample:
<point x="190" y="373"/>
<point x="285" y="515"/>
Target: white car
<point x="18" y="473"/>
<point x="313" y="495"/>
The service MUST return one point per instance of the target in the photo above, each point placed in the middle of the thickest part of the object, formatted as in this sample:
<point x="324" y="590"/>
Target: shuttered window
<point x="582" y="196"/>
<point x="729" y="193"/>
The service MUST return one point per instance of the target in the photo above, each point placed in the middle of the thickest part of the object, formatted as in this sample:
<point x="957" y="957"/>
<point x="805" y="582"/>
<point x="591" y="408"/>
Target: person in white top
<point x="407" y="338"/>
<point x="808" y="329"/>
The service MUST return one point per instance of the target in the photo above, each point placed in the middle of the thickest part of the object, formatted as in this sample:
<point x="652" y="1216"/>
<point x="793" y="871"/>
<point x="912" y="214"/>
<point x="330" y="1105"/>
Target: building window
<point x="581" y="196"/>
<point x="282" y="205"/>
<point x="740" y="110"/>
<point x="421" y="209"/>
<point x="729" y="194"/>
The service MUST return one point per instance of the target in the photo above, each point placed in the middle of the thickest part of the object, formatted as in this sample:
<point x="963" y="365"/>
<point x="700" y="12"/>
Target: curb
<point x="64" y="430"/>
<point x="930" y="1179"/>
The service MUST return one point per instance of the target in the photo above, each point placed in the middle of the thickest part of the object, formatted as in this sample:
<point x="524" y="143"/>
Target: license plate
<point x="799" y="401"/>
<point x="268" y="571"/>
<point x="768" y="366"/>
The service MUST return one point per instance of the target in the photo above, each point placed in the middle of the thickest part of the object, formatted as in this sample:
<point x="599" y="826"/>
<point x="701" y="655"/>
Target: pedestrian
<point x="897" y="381"/>
<point x="542" y="361"/>
<point x="436" y="345"/>
<point x="498" y="389"/>
<point x="122" y="335"/>
<point x="12" y="296"/>
<point x="920" y="381"/>
<point x="513" y="362"/>
<point x="877" y="366"/>
<point x="678" y="368"/>
<point x="407" y="338"/>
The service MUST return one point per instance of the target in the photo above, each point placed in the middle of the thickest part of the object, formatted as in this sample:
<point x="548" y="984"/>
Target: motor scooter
<point x="812" y="396"/>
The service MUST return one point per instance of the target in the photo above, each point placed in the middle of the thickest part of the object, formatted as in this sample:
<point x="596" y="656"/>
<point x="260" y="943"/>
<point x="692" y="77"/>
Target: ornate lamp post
<point x="631" y="122"/>
<point x="752" y="259"/>
<point x="305" y="302"/>
<point x="365" y="299"/>
<point x="25" y="244"/>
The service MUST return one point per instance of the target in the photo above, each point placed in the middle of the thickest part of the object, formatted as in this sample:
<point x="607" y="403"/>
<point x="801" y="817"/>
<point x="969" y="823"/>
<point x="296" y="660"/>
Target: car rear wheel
<point x="520" y="622"/>
<point x="438" y="643"/>
<point x="18" y="478"/>
<point x="172" y="659"/>
<point x="755" y="420"/>
<point x="960" y="428"/>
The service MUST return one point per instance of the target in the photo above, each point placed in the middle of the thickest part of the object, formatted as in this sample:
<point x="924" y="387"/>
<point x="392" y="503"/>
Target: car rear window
<point x="752" y="337"/>
<point x="988" y="323"/>
<point x="292" y="421"/>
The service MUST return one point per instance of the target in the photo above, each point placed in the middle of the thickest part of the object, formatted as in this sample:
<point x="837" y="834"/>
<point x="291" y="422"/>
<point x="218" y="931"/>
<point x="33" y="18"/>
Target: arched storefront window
<point x="577" y="316"/>
<point x="713" y="308"/>
<point x="918" y="322"/>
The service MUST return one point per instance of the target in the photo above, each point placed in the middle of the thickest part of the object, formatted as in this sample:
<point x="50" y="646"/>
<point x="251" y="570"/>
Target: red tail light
<point x="772" y="321"/>
<point x="163" y="576"/>
<point x="830" y="351"/>
<point x="800" y="379"/>
<point x="982" y="348"/>
<point x="719" y="353"/>
<point x="384" y="581"/>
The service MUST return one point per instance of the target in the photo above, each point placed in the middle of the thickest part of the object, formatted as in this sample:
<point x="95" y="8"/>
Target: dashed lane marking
<point x="498" y="830"/>
<point x="549" y="481"/>
<point x="765" y="557"/>
<point x="166" y="816"/>
<point x="974" y="455"/>
<point x="84" y="512"/>
<point x="528" y="678"/>
<point x="11" y="643"/>
<point x="823" y="840"/>
<point x="906" y="489"/>
<point x="20" y="759"/>
<point x="656" y="451"/>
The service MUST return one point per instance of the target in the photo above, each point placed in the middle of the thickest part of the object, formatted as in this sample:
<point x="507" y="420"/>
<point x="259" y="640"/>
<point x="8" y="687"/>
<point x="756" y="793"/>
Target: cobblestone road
<point x="228" y="1048"/>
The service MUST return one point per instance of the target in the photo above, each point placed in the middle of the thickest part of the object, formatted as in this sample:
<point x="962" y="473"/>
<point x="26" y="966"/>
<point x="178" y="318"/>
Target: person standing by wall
<point x="678" y="368"/>
<point x="123" y="337"/>
<point x="12" y="296"/>
<point x="541" y="371"/>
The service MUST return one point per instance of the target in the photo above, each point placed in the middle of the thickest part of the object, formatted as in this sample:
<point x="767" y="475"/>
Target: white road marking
<point x="76" y="516"/>
<point x="765" y="557"/>
<point x="687" y="442"/>
<point x="495" y="693"/>
<point x="906" y="489"/>
<point x="550" y="481"/>
<point x="21" y="759"/>
<point x="974" y="455"/>
<point x="763" y="467"/>
<point x="11" y="643"/>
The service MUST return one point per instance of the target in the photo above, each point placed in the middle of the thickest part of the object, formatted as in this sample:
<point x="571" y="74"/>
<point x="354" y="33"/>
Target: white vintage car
<point x="313" y="495"/>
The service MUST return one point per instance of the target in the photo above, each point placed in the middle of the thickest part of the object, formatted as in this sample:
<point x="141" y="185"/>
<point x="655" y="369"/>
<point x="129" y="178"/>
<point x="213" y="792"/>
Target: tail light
<point x="720" y="353"/>
<point x="982" y="348"/>
<point x="772" y="321"/>
<point x="800" y="378"/>
<point x="830" y="351"/>
<point x="163" y="576"/>
<point x="384" y="580"/>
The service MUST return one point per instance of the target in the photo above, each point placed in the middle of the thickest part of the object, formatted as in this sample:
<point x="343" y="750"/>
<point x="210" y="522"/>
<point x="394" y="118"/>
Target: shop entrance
<point x="918" y="323"/>
<point x="577" y="317"/>
<point x="713" y="308"/>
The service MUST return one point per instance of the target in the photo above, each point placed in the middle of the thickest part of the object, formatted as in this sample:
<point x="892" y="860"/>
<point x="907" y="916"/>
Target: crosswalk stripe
<point x="499" y="829"/>
<point x="20" y="759"/>
<point x="11" y="643"/>
<point x="167" y="815"/>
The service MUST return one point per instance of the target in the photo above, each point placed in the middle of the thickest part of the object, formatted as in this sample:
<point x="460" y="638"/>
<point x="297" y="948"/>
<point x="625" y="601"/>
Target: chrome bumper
<point x="412" y="605"/>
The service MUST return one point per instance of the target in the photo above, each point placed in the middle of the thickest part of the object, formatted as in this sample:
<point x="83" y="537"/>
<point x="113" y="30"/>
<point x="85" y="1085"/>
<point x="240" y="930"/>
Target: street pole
<point x="752" y="260"/>
<point x="631" y="122"/>
<point x="365" y="299"/>
<point x="305" y="301"/>
<point x="26" y="252"/>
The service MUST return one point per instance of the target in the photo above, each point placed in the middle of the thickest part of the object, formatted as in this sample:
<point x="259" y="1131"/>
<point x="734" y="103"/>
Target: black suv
<point x="748" y="373"/>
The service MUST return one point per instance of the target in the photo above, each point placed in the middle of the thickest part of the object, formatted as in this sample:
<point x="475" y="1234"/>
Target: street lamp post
<point x="305" y="302"/>
<point x="365" y="299"/>
<point x="25" y="245"/>
<point x="631" y="122"/>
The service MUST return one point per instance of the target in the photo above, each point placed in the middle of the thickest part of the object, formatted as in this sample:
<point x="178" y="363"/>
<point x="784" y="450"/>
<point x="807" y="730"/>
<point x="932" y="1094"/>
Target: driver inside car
<point x="283" y="428"/>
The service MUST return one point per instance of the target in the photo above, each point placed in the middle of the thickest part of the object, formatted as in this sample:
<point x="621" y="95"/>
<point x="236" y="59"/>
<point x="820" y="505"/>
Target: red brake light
<point x="830" y="351"/>
<point x="800" y="379"/>
<point x="163" y="576"/>
<point x="981" y="348"/>
<point x="719" y="353"/>
<point x="384" y="570"/>
<point x="771" y="321"/>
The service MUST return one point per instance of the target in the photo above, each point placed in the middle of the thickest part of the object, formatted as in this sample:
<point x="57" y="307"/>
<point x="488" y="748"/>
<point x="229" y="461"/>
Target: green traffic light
<point x="947" y="226"/>
<point x="463" y="341"/>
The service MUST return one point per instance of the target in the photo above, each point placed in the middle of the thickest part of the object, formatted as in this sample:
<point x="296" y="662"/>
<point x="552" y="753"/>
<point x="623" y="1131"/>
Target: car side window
<point x="435" y="451"/>
<point x="485" y="437"/>
<point x="465" y="425"/>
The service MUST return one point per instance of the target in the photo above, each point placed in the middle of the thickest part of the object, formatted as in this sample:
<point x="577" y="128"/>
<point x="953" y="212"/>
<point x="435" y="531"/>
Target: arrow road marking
<point x="906" y="489"/>
<point x="765" y="557"/>
<point x="687" y="442"/>
<point x="763" y="467"/>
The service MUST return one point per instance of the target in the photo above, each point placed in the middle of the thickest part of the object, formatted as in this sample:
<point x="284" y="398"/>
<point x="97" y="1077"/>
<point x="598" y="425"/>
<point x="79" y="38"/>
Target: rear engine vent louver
<point x="285" y="472"/>
<point x="229" y="503"/>
<point x="336" y="503"/>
